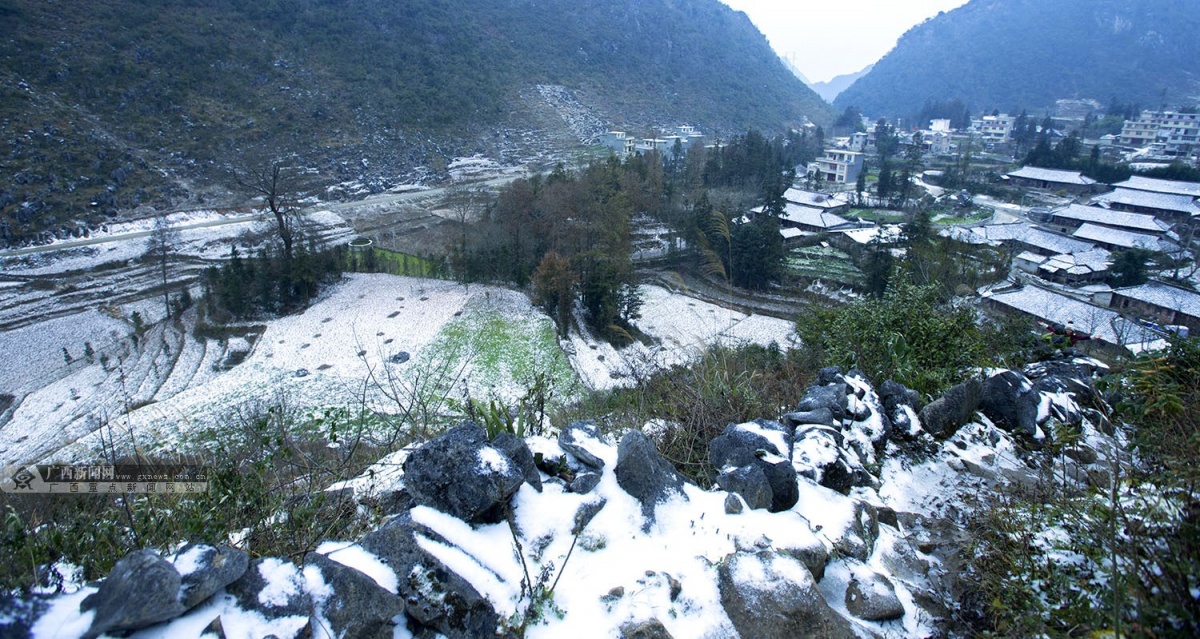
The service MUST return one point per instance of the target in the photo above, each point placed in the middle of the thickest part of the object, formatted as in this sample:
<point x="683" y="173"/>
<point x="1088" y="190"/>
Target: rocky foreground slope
<point x="845" y="519"/>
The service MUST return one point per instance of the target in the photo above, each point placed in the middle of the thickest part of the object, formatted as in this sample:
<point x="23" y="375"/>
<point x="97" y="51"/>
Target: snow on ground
<point x="483" y="342"/>
<point x="202" y="234"/>
<point x="684" y="326"/>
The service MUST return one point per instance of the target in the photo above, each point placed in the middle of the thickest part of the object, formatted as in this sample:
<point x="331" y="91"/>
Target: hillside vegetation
<point x="1013" y="54"/>
<point x="110" y="105"/>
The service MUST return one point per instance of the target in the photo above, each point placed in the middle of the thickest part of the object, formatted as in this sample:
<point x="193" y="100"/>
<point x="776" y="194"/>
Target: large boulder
<point x="831" y="397"/>
<point x="945" y="415"/>
<point x="764" y="444"/>
<point x="772" y="596"/>
<point x="141" y="590"/>
<point x="873" y="598"/>
<point x="355" y="606"/>
<point x="518" y="453"/>
<point x="205" y="570"/>
<point x="818" y="454"/>
<point x="749" y="482"/>
<point x="649" y="629"/>
<point x="1010" y="401"/>
<point x="435" y="596"/>
<point x="461" y="474"/>
<point x="274" y="589"/>
<point x="645" y="474"/>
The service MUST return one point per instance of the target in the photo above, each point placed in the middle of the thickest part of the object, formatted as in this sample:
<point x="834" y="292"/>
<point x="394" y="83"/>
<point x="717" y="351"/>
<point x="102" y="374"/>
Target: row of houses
<point x="623" y="143"/>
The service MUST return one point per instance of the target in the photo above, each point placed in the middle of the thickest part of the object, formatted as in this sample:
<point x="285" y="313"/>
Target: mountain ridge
<point x="111" y="106"/>
<point x="1014" y="54"/>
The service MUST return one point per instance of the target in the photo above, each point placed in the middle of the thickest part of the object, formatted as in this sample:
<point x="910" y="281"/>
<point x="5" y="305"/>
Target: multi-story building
<point x="994" y="129"/>
<point x="837" y="167"/>
<point x="1175" y="134"/>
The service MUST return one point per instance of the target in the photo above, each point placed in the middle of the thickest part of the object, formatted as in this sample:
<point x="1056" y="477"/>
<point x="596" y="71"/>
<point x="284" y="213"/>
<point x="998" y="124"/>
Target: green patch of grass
<point x="882" y="216"/>
<point x="507" y="353"/>
<point x="825" y="263"/>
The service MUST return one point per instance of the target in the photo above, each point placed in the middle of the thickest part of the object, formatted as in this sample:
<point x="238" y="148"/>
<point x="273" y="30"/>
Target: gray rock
<point x="858" y="539"/>
<point x="282" y="602"/>
<point x="830" y="396"/>
<point x="829" y="375"/>
<point x="141" y="590"/>
<point x="822" y="416"/>
<point x="576" y="438"/>
<point x="734" y="504"/>
<point x="758" y="444"/>
<point x="814" y="557"/>
<point x="1011" y="402"/>
<point x="518" y="452"/>
<point x="649" y="629"/>
<point x="893" y="395"/>
<point x="461" y="474"/>
<point x="772" y="596"/>
<point x="586" y="513"/>
<point x="751" y="483"/>
<point x="19" y="614"/>
<point x="358" y="608"/>
<point x="433" y="595"/>
<point x="643" y="473"/>
<point x="584" y="483"/>
<point x="945" y="415"/>
<point x="873" y="599"/>
<point x="214" y="568"/>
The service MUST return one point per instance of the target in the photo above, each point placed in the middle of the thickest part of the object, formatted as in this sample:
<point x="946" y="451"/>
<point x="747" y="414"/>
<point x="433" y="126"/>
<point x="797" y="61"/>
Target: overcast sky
<point x="827" y="38"/>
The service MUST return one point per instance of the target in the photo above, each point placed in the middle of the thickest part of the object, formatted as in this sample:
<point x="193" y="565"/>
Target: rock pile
<point x="817" y="525"/>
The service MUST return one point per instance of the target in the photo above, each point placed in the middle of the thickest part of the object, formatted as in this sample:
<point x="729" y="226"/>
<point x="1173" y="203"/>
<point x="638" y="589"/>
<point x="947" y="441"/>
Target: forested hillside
<point x="108" y="105"/>
<point x="1014" y="54"/>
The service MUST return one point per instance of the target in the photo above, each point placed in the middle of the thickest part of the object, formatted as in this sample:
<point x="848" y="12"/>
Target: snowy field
<point x="374" y="340"/>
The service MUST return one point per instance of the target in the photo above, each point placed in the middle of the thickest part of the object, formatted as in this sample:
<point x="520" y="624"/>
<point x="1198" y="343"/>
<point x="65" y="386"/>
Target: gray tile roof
<point x="1106" y="217"/>
<point x="1123" y="239"/>
<point x="1020" y="232"/>
<point x="1052" y="175"/>
<point x="1149" y="200"/>
<point x="1174" y="187"/>
<point x="817" y="200"/>
<point x="1101" y="323"/>
<point x="1166" y="296"/>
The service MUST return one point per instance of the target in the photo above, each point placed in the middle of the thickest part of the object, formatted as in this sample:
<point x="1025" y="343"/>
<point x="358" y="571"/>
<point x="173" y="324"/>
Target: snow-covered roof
<point x="812" y="217"/>
<point x="1172" y="187"/>
<point x="1149" y="200"/>
<point x="1123" y="239"/>
<point x="1018" y="232"/>
<point x="790" y="233"/>
<point x="887" y="234"/>
<point x="817" y="200"/>
<point x="1030" y="256"/>
<point x="1133" y="221"/>
<point x="1082" y="263"/>
<point x="1052" y="175"/>
<point x="1164" y="295"/>
<point x="1101" y="323"/>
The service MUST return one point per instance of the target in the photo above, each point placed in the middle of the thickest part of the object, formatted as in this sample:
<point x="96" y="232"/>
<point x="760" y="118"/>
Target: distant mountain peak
<point x="1014" y="54"/>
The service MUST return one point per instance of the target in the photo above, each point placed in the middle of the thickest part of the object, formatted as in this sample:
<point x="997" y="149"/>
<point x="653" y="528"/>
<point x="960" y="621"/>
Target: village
<point x="1116" y="261"/>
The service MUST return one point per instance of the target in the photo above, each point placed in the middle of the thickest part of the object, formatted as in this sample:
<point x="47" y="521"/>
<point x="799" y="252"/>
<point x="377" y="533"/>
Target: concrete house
<point x="837" y="166"/>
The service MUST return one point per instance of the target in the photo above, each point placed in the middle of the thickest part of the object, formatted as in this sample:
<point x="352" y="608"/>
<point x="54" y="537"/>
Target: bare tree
<point x="271" y="182"/>
<point x="160" y="245"/>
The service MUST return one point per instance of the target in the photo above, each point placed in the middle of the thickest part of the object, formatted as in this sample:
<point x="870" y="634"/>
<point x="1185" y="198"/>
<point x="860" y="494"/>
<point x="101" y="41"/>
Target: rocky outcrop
<point x="773" y="596"/>
<point x="813" y="538"/>
<point x="462" y="474"/>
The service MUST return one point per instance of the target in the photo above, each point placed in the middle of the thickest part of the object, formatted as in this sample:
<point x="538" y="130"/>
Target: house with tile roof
<point x="1071" y="217"/>
<point x="1054" y="180"/>
<point x="1173" y="207"/>
<point x="1160" y="303"/>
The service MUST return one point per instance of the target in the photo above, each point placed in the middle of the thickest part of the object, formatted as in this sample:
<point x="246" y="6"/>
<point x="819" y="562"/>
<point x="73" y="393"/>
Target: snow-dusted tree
<point x="159" y="247"/>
